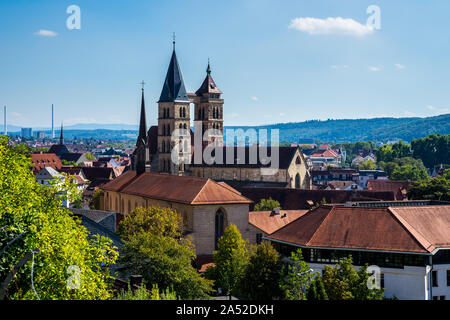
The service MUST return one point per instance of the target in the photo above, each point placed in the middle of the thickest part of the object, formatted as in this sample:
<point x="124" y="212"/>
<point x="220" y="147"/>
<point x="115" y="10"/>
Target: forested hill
<point x="377" y="129"/>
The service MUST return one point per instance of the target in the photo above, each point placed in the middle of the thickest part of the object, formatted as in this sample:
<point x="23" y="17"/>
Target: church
<point x="244" y="166"/>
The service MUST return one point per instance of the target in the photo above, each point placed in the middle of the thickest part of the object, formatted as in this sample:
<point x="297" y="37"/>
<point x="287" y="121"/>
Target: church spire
<point x="173" y="89"/>
<point x="61" y="136"/>
<point x="142" y="122"/>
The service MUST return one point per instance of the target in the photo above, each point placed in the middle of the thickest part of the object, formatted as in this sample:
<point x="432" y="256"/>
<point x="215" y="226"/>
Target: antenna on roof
<point x="174" y="40"/>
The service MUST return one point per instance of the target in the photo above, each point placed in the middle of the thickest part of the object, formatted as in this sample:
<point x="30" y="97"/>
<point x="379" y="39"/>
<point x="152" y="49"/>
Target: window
<point x="382" y="280"/>
<point x="219" y="227"/>
<point x="448" y="278"/>
<point x="442" y="298"/>
<point x="297" y="161"/>
<point x="297" y="181"/>
<point x="434" y="278"/>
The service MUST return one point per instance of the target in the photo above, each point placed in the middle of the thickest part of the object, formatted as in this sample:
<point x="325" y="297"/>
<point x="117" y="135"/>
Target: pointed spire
<point x="208" y="85"/>
<point x="142" y="123"/>
<point x="173" y="89"/>
<point x="61" y="136"/>
<point x="208" y="70"/>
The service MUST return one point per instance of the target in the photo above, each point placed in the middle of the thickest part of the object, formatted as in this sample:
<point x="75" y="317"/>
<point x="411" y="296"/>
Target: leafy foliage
<point x="142" y="293"/>
<point x="262" y="275"/>
<point x="433" y="189"/>
<point x="389" y="152"/>
<point x="230" y="261"/>
<point x="267" y="205"/>
<point x="296" y="277"/>
<point x="433" y="149"/>
<point x="29" y="208"/>
<point x="343" y="282"/>
<point x="408" y="172"/>
<point x="316" y="290"/>
<point x="95" y="201"/>
<point x="367" y="165"/>
<point x="155" y="249"/>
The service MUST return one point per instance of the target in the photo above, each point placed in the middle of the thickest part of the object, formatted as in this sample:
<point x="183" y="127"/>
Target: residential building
<point x="410" y="244"/>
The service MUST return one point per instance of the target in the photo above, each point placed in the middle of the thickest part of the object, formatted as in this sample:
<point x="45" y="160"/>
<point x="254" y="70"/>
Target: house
<point x="359" y="159"/>
<point x="268" y="222"/>
<point x="366" y="175"/>
<point x="42" y="160"/>
<point x="47" y="175"/>
<point x="207" y="207"/>
<point x="408" y="244"/>
<point x="400" y="188"/>
<point x="323" y="177"/>
<point x="324" y="157"/>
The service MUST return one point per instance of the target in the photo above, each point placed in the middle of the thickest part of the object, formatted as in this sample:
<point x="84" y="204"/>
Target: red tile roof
<point x="190" y="190"/>
<point x="268" y="222"/>
<point x="400" y="188"/>
<point x="404" y="229"/>
<point x="294" y="199"/>
<point x="40" y="161"/>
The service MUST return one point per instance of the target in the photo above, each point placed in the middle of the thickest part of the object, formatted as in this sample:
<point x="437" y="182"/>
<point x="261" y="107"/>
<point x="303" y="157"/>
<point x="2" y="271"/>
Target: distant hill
<point x="345" y="130"/>
<point x="352" y="130"/>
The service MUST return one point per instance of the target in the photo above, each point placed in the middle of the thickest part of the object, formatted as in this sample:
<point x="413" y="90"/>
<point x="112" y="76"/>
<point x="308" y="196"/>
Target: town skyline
<point x="90" y="78"/>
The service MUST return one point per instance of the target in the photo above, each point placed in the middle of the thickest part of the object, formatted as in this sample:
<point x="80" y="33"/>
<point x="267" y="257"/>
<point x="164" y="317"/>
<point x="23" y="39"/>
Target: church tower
<point x="141" y="156"/>
<point x="209" y="109"/>
<point x="173" y="113"/>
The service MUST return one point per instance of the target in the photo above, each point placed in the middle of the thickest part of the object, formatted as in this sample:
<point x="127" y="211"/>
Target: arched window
<point x="163" y="146"/>
<point x="297" y="181"/>
<point x="185" y="126"/>
<point x="181" y="126"/>
<point x="181" y="112"/>
<point x="298" y="161"/>
<point x="219" y="224"/>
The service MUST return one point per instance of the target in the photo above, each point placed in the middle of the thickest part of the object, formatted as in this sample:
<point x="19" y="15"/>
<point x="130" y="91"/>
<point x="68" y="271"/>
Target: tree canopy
<point x="67" y="264"/>
<point x="267" y="205"/>
<point x="154" y="248"/>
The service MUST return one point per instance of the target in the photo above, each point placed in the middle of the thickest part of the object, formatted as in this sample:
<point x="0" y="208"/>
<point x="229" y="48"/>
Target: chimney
<point x="275" y="211"/>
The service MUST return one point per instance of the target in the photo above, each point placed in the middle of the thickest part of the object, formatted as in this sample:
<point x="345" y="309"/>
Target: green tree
<point x="296" y="277"/>
<point x="142" y="293"/>
<point x="230" y="261"/>
<point x="262" y="275"/>
<point x="65" y="253"/>
<point x="408" y="172"/>
<point x="154" y="247"/>
<point x="433" y="149"/>
<point x="96" y="198"/>
<point x="343" y="282"/>
<point x="90" y="157"/>
<point x="316" y="290"/>
<point x="433" y="189"/>
<point x="367" y="165"/>
<point x="267" y="205"/>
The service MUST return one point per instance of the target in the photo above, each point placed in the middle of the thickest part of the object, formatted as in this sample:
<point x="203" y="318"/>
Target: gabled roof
<point x="188" y="190"/>
<point x="269" y="222"/>
<point x="173" y="89"/>
<point x="42" y="160"/>
<point x="400" y="188"/>
<point x="402" y="229"/>
<point x="285" y="157"/>
<point x="58" y="149"/>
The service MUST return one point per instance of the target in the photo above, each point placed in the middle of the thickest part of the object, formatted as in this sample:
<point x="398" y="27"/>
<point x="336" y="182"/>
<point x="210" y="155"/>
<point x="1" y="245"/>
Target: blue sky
<point x="271" y="67"/>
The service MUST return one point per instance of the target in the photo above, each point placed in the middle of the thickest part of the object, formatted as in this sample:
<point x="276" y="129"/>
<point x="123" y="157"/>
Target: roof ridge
<point x="333" y="208"/>
<point x="200" y="191"/>
<point x="418" y="237"/>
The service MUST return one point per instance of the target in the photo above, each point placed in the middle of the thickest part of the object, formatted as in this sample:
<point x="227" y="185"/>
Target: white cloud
<point x="374" y="69"/>
<point x="400" y="66"/>
<point x="336" y="67"/>
<point x="254" y="98"/>
<point x="46" y="33"/>
<point x="330" y="25"/>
